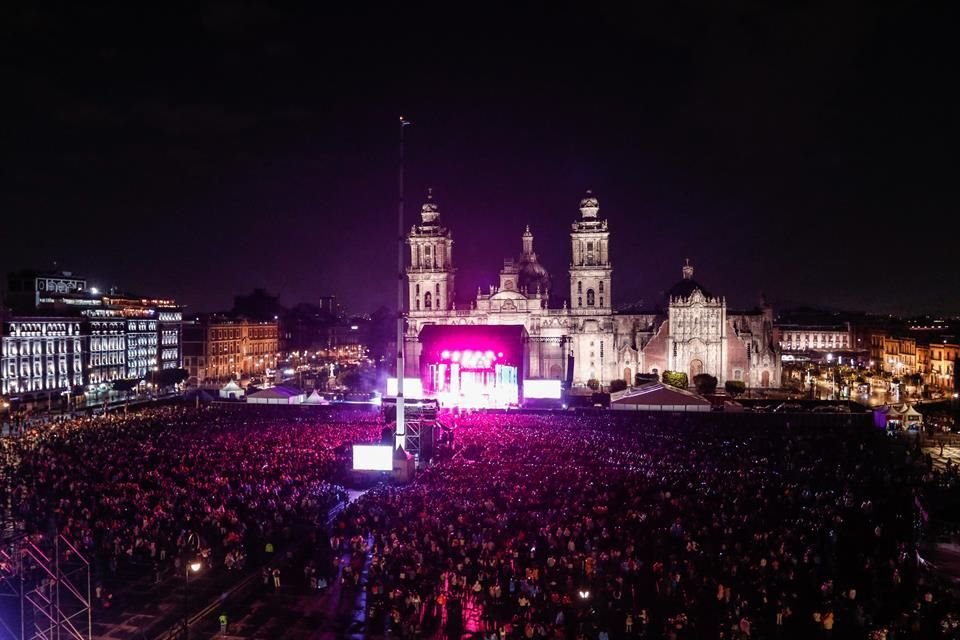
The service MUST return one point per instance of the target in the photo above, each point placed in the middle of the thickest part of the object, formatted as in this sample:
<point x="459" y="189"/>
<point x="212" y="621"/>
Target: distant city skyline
<point x="202" y="152"/>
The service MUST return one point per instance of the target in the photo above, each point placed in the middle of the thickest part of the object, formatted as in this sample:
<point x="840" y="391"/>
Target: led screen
<point x="542" y="389"/>
<point x="412" y="388"/>
<point x="372" y="457"/>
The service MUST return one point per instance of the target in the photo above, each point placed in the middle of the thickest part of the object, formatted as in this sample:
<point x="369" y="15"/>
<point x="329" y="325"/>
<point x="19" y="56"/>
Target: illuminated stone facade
<point x="64" y="337"/>
<point x="695" y="333"/>
<point x="219" y="348"/>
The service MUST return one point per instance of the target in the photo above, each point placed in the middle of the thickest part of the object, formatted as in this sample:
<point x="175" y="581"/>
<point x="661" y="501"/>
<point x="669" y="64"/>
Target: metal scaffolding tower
<point x="44" y="590"/>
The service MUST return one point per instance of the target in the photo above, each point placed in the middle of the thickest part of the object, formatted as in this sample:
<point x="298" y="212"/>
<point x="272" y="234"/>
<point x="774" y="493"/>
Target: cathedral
<point x="584" y="340"/>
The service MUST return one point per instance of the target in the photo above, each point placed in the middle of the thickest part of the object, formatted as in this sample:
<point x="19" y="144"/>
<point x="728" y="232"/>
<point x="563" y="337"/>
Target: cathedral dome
<point x="687" y="285"/>
<point x="429" y="212"/>
<point x="589" y="205"/>
<point x="532" y="276"/>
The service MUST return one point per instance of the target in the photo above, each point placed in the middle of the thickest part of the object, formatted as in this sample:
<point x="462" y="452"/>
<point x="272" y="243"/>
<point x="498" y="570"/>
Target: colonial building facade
<point x="693" y="332"/>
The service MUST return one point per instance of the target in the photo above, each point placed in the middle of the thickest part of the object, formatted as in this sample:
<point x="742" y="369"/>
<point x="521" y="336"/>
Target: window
<point x="589" y="246"/>
<point x="601" y="286"/>
<point x="418" y="289"/>
<point x="601" y="301"/>
<point x="418" y="304"/>
<point x="579" y="287"/>
<point x="427" y="301"/>
<point x="579" y="301"/>
<point x="590" y="298"/>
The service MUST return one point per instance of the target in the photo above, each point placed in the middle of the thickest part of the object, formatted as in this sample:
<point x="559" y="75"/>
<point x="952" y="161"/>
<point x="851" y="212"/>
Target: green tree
<point x="675" y="379"/>
<point x="617" y="385"/>
<point x="735" y="387"/>
<point x="593" y="383"/>
<point x="705" y="383"/>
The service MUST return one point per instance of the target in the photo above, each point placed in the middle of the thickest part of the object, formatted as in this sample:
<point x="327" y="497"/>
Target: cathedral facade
<point x="584" y="338"/>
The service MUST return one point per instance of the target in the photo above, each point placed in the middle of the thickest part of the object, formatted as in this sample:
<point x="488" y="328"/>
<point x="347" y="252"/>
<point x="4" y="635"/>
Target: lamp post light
<point x="193" y="566"/>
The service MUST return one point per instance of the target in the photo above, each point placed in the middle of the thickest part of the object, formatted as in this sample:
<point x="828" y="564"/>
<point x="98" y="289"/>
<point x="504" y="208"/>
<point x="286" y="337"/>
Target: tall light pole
<point x="401" y="432"/>
<point x="193" y="566"/>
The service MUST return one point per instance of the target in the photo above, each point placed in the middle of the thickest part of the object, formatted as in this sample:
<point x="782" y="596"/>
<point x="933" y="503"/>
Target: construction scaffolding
<point x="44" y="590"/>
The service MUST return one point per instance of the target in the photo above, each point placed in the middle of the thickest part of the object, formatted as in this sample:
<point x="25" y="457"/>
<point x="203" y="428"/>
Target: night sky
<point x="806" y="151"/>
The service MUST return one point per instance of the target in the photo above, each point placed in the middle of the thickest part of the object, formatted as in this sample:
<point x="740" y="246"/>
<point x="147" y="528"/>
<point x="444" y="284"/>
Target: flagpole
<point x="401" y="431"/>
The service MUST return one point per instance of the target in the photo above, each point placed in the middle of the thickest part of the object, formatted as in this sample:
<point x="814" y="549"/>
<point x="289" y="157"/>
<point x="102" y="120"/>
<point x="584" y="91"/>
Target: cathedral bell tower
<point x="590" y="268"/>
<point x="430" y="272"/>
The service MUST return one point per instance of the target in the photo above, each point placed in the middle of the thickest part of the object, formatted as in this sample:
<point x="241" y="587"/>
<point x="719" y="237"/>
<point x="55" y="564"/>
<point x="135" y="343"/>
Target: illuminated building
<point x="41" y="355"/>
<point x="814" y="338"/>
<point x="943" y="359"/>
<point x="219" y="347"/>
<point x="64" y="336"/>
<point x="586" y="340"/>
<point x="899" y="356"/>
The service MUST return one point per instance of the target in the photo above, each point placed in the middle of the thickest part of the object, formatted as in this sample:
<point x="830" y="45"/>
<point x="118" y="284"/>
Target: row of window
<point x="31" y="329"/>
<point x="37" y="347"/>
<point x="580" y="286"/>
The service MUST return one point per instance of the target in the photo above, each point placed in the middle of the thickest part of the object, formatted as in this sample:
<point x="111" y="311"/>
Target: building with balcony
<point x="218" y="347"/>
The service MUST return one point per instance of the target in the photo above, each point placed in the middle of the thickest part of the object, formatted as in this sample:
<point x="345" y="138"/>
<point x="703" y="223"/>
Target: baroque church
<point x="585" y="338"/>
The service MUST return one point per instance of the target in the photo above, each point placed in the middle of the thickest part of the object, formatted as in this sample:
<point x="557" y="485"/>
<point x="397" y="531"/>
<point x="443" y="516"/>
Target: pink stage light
<point x="455" y="356"/>
<point x="500" y="355"/>
<point x="489" y="355"/>
<point x="446" y="354"/>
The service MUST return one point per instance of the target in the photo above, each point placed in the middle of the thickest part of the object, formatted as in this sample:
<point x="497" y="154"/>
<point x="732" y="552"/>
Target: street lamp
<point x="193" y="567"/>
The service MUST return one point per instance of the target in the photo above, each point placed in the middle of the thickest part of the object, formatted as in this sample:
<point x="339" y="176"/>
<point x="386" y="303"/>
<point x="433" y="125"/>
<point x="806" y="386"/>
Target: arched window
<point x="427" y="301"/>
<point x="590" y="300"/>
<point x="579" y="287"/>
<point x="601" y="286"/>
<point x="579" y="301"/>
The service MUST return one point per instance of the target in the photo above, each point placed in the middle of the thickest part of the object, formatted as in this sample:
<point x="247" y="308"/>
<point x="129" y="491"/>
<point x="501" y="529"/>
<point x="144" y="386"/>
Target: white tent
<point x="276" y="395"/>
<point x="315" y="399"/>
<point x="231" y="391"/>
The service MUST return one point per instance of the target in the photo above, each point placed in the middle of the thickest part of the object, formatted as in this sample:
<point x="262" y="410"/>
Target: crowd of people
<point x="530" y="526"/>
<point x="560" y="526"/>
<point x="147" y="492"/>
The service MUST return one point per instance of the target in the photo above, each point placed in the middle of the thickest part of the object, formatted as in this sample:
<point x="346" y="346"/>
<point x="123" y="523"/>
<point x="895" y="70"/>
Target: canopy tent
<point x="231" y="391"/>
<point x="658" y="397"/>
<point x="276" y="395"/>
<point x="315" y="399"/>
<point x="897" y="415"/>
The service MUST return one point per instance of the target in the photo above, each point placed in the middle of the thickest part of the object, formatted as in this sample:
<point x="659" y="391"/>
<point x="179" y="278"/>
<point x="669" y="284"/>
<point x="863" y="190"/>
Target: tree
<point x="617" y="385"/>
<point x="593" y="383"/>
<point x="705" y="383"/>
<point x="675" y="379"/>
<point x="644" y="378"/>
<point x="735" y="387"/>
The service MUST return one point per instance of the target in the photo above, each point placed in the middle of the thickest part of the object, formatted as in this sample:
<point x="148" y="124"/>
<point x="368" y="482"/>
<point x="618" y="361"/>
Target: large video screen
<point x="412" y="388"/>
<point x="372" y="457"/>
<point x="542" y="389"/>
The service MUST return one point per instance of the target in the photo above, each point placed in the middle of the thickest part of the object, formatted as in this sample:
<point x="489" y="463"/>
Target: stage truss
<point x="45" y="584"/>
